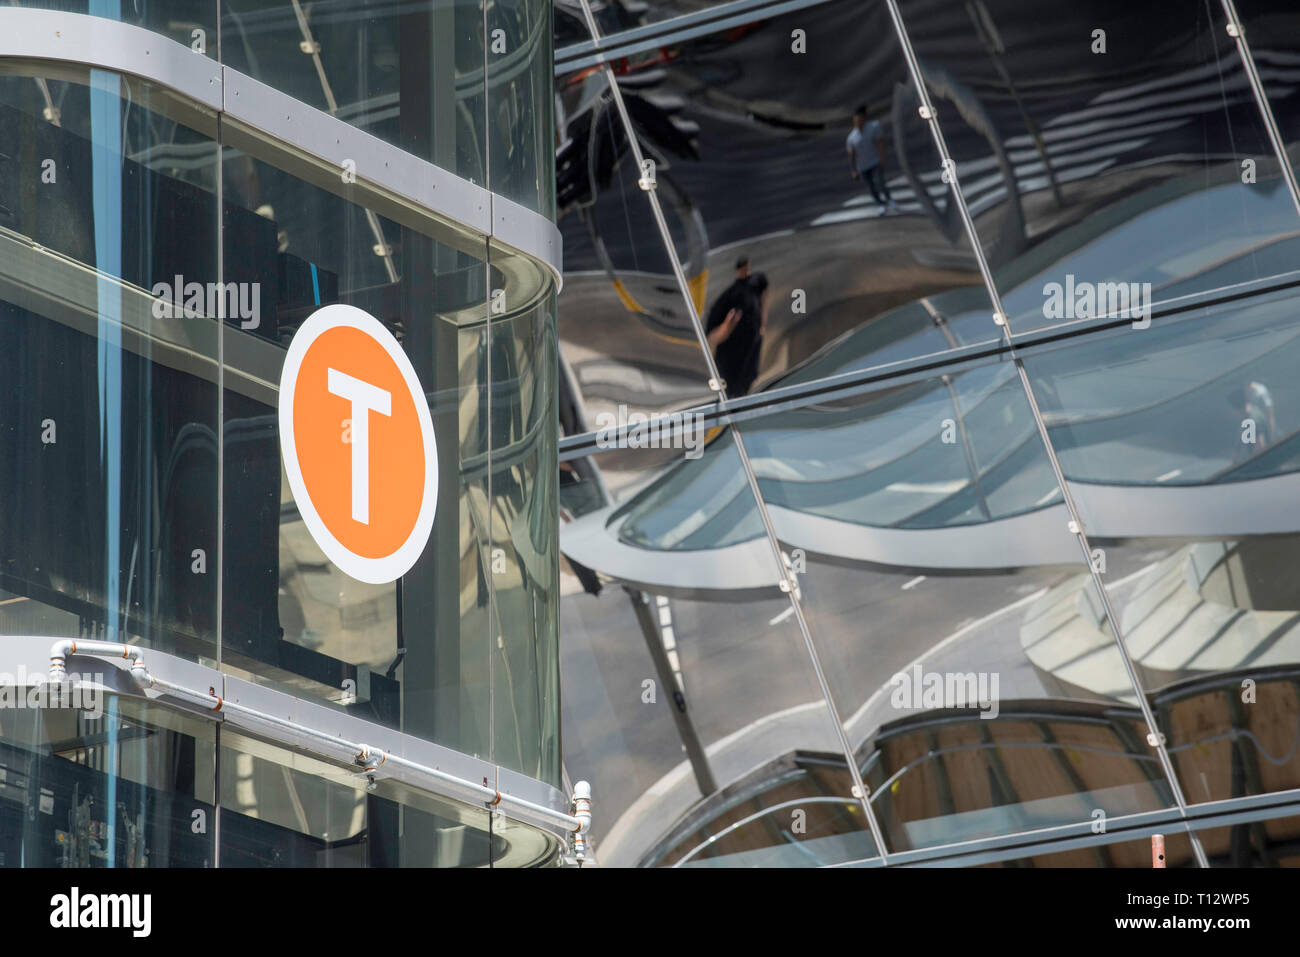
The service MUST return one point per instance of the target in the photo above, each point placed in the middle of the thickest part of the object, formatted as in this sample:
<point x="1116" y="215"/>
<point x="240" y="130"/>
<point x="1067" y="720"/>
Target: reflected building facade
<point x="992" y="566"/>
<point x="396" y="158"/>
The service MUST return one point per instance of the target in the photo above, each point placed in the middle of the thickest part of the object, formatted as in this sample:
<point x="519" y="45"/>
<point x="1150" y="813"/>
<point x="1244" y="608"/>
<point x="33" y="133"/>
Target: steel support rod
<point x="1238" y="33"/>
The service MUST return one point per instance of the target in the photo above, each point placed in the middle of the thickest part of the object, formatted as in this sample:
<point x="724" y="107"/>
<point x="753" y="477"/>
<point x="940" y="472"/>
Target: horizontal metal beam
<point x="1130" y="827"/>
<point x="865" y="380"/>
<point x="109" y="45"/>
<point x="300" y="725"/>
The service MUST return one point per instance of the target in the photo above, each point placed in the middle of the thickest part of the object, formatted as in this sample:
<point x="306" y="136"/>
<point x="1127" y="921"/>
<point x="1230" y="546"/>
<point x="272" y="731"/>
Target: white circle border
<point x="372" y="571"/>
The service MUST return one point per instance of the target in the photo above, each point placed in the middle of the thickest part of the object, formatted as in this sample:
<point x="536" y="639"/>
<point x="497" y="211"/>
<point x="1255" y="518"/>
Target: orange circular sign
<point x="358" y="444"/>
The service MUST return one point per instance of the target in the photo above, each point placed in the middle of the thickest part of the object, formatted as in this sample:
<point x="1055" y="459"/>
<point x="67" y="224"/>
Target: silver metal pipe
<point x="366" y="757"/>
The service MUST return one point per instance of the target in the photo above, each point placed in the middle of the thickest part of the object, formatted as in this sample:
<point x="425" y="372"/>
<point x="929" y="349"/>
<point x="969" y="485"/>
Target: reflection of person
<point x="866" y="148"/>
<point x="1253" y="401"/>
<point x="735" y="329"/>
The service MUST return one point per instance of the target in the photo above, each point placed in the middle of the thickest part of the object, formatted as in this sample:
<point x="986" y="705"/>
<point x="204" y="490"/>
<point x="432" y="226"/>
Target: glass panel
<point x="517" y="516"/>
<point x="625" y="337"/>
<point x="282" y="809"/>
<point x="411" y="654"/>
<point x="1275" y="47"/>
<point x="521" y="103"/>
<point x="749" y="704"/>
<point x="1107" y="175"/>
<point x="1206" y="400"/>
<point x="618" y="721"/>
<point x="471" y="658"/>
<point x="1183" y="463"/>
<point x="627" y="716"/>
<point x="752" y="132"/>
<point x="119" y="784"/>
<point x="108" y="445"/>
<point x="409" y="73"/>
<point x="190" y="22"/>
<point x="951" y="610"/>
<point x="756" y="694"/>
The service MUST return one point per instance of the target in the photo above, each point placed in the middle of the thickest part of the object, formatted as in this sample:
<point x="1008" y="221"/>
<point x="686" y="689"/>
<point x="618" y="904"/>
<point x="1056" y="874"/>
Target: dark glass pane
<point x="108" y="444"/>
<point x="1270" y="28"/>
<point x="1112" y="155"/>
<point x="750" y="132"/>
<point x="408" y="73"/>
<point x="514" y="511"/>
<point x="626" y="340"/>
<point x="123" y="784"/>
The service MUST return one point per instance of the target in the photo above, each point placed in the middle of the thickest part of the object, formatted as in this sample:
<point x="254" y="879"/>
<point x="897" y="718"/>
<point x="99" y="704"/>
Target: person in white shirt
<point x="866" y="148"/>
<point x="1255" y="403"/>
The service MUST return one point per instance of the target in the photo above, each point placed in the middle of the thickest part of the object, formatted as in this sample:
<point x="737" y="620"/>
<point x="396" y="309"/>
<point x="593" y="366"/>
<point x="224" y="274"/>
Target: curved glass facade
<point x="987" y="545"/>
<point x="458" y="83"/>
<point x="914" y="411"/>
<point x="160" y="256"/>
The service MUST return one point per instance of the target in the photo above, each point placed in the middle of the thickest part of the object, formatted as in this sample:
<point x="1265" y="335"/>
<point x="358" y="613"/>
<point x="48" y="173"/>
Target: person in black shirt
<point x="735" y="329"/>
